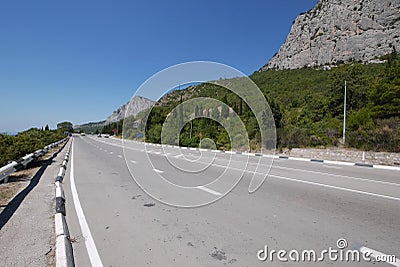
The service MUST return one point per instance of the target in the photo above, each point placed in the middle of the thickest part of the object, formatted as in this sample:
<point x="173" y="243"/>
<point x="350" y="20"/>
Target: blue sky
<point x="80" y="60"/>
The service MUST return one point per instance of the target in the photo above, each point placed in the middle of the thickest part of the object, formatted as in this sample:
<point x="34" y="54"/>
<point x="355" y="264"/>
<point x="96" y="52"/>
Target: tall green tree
<point x="65" y="126"/>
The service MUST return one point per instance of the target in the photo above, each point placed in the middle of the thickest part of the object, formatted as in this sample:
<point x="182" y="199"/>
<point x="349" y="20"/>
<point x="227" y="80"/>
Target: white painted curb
<point x="64" y="250"/>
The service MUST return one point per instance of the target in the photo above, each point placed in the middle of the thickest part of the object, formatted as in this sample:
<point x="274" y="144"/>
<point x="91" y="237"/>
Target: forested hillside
<point x="308" y="108"/>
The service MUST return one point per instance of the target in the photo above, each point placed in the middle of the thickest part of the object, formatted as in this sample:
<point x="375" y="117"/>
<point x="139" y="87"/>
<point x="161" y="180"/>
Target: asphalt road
<point x="300" y="206"/>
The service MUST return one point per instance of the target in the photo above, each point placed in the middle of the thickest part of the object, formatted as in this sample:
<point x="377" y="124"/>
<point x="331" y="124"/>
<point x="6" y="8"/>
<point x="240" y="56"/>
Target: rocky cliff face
<point x="337" y="31"/>
<point x="138" y="104"/>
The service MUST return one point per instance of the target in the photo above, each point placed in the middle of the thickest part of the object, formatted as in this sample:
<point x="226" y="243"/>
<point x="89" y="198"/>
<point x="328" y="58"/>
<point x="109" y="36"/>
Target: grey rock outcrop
<point x="137" y="105"/>
<point x="337" y="31"/>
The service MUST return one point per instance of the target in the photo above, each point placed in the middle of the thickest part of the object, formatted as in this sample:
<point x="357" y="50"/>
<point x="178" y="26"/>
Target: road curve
<point x="302" y="206"/>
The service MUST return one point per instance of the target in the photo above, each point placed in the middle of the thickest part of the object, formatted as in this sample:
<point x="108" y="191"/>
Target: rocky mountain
<point x="138" y="104"/>
<point x="336" y="31"/>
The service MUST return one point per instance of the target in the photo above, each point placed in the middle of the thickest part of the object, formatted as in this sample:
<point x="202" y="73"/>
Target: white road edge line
<point x="89" y="242"/>
<point x="376" y="254"/>
<point x="336" y="175"/>
<point x="317" y="184"/>
<point x="208" y="190"/>
<point x="393" y="168"/>
<point x="158" y="171"/>
<point x="331" y="167"/>
<point x="334" y="187"/>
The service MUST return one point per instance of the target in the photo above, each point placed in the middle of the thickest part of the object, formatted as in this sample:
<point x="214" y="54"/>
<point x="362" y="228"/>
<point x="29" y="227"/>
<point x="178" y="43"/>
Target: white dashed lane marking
<point x="208" y="190"/>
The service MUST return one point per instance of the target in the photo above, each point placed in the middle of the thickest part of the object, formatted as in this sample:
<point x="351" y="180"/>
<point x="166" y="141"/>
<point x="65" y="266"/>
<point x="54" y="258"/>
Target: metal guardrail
<point x="13" y="166"/>
<point x="7" y="170"/>
<point x="64" y="251"/>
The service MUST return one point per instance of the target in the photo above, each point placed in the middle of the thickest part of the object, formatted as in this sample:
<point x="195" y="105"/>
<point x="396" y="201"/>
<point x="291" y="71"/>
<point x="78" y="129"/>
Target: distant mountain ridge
<point x="138" y="104"/>
<point x="337" y="31"/>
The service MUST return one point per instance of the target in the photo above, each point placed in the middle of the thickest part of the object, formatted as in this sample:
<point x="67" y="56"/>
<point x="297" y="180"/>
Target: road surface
<point x="301" y="206"/>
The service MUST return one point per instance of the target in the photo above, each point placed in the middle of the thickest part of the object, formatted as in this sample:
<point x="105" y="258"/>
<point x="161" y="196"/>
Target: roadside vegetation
<point x="15" y="147"/>
<point x="308" y="108"/>
<point x="307" y="105"/>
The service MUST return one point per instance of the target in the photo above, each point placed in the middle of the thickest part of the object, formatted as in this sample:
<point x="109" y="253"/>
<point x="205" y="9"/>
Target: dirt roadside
<point x="27" y="209"/>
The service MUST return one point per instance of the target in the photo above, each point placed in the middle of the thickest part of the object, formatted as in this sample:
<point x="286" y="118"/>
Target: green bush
<point x="15" y="147"/>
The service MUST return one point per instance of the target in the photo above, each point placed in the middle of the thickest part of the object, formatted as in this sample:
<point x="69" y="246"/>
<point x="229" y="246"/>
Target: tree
<point x="215" y="114"/>
<point x="197" y="111"/>
<point x="224" y="111"/>
<point x="307" y="105"/>
<point x="65" y="126"/>
<point x="385" y="93"/>
<point x="47" y="128"/>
